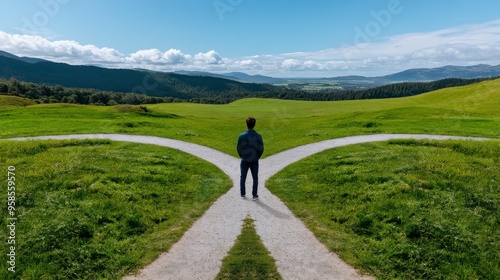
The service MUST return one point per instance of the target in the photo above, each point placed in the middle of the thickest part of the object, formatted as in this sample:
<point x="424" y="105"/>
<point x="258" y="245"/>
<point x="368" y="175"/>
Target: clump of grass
<point x="143" y="111"/>
<point x="403" y="209"/>
<point x="14" y="101"/>
<point x="131" y="109"/>
<point x="248" y="259"/>
<point x="97" y="209"/>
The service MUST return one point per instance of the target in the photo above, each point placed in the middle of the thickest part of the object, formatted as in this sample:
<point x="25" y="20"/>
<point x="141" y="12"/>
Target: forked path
<point x="298" y="254"/>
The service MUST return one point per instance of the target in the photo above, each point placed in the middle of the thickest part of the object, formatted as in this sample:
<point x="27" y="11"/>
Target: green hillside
<point x="483" y="98"/>
<point x="467" y="111"/>
<point x="123" y="80"/>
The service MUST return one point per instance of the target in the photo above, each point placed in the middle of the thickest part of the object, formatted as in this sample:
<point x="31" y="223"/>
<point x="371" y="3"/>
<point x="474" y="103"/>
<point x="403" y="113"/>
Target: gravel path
<point x="298" y="254"/>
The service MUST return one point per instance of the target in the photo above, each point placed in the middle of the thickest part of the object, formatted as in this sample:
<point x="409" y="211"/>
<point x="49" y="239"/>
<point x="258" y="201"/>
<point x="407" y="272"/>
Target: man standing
<point x="250" y="148"/>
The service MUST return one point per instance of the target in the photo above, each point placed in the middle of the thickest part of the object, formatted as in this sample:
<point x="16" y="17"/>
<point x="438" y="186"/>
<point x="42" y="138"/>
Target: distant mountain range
<point x="121" y="80"/>
<point x="238" y="76"/>
<point x="432" y="74"/>
<point x="189" y="84"/>
<point x="412" y="75"/>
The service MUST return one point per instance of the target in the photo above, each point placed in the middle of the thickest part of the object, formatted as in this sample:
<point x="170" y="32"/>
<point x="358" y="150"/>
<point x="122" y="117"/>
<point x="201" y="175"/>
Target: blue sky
<point x="274" y="37"/>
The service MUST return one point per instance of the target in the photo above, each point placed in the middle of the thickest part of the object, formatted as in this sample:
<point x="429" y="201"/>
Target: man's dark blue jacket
<point x="250" y="146"/>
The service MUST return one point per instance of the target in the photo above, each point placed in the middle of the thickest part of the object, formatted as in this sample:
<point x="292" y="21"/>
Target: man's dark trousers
<point x="254" y="168"/>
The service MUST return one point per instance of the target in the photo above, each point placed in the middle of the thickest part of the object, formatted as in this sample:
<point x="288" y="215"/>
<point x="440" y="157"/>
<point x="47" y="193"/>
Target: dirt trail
<point x="298" y="254"/>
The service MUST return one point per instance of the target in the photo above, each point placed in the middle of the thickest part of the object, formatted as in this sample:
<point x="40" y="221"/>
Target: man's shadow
<point x="272" y="211"/>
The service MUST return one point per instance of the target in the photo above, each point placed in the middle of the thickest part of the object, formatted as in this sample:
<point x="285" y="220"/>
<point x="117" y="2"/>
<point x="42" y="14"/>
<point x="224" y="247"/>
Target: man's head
<point x="251" y="122"/>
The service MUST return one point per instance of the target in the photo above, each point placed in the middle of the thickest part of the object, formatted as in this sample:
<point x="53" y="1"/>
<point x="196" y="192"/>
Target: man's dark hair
<point x="251" y="122"/>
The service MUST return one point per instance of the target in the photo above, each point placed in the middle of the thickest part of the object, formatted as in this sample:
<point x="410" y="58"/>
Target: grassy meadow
<point x="99" y="209"/>
<point x="411" y="209"/>
<point x="466" y="111"/>
<point x="403" y="209"/>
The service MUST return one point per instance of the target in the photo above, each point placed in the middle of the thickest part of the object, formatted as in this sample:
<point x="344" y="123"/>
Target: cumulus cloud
<point x="313" y="65"/>
<point x="174" y="56"/>
<point x="461" y="45"/>
<point x="156" y="57"/>
<point x="210" y="58"/>
<point x="146" y="56"/>
<point x="291" y="64"/>
<point x="61" y="51"/>
<point x="249" y="64"/>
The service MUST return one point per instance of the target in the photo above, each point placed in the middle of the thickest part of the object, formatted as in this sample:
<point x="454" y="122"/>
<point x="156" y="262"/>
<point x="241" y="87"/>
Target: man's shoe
<point x="255" y="197"/>
<point x="243" y="197"/>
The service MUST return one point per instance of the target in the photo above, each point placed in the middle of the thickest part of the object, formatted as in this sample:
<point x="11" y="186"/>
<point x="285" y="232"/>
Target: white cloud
<point x="249" y="64"/>
<point x="146" y="56"/>
<point x="156" y="57"/>
<point x="174" y="56"/>
<point x="210" y="58"/>
<point x="312" y="65"/>
<point x="61" y="51"/>
<point x="291" y="64"/>
<point x="461" y="45"/>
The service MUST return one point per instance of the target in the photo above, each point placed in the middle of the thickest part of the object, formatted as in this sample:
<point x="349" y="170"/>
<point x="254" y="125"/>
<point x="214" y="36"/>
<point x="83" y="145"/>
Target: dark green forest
<point x="42" y="93"/>
<point x="156" y="84"/>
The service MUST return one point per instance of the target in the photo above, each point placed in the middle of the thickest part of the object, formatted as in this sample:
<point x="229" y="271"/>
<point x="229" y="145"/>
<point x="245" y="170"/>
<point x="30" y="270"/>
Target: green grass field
<point x="99" y="209"/>
<point x="92" y="193"/>
<point x="467" y="111"/>
<point x="403" y="209"/>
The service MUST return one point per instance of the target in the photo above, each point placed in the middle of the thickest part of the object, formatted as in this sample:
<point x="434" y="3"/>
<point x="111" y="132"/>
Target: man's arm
<point x="260" y="149"/>
<point x="239" y="146"/>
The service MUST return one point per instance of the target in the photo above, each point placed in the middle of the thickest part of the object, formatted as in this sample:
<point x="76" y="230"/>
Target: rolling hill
<point x="481" y="98"/>
<point x="186" y="85"/>
<point x="121" y="80"/>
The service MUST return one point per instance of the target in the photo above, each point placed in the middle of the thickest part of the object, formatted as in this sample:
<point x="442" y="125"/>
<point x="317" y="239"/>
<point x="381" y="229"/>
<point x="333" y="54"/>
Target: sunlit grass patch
<point x="100" y="209"/>
<point x="404" y="209"/>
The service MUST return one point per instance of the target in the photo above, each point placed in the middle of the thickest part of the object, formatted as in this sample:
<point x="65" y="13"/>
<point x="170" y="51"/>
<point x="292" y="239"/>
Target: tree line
<point x="387" y="91"/>
<point x="42" y="93"/>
